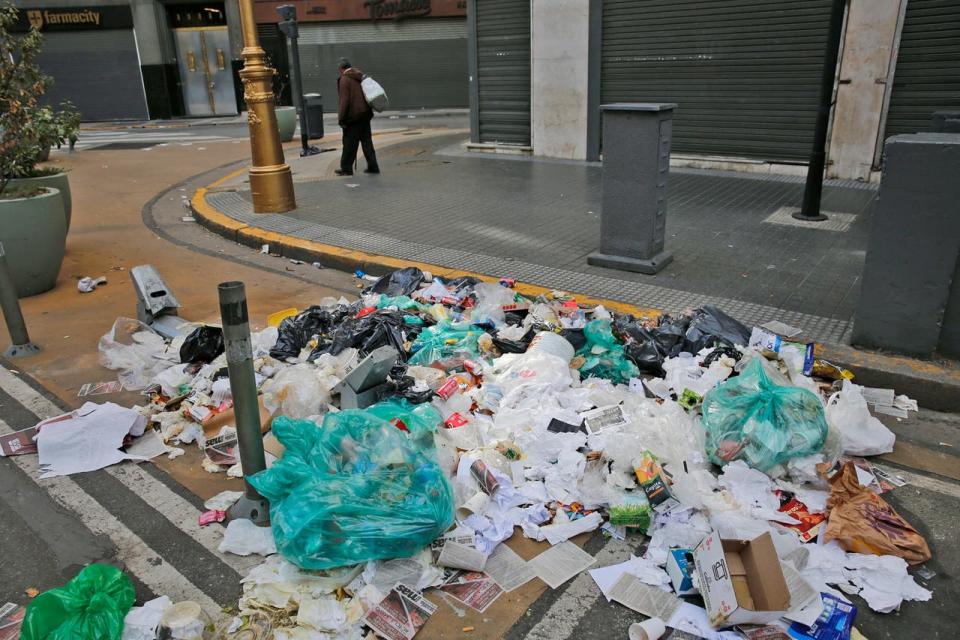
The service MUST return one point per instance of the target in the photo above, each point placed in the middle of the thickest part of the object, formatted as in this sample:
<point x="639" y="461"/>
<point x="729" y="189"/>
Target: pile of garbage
<point x="732" y="449"/>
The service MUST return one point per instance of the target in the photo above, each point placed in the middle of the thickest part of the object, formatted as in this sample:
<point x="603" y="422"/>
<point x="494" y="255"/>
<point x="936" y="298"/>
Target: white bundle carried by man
<point x="374" y="94"/>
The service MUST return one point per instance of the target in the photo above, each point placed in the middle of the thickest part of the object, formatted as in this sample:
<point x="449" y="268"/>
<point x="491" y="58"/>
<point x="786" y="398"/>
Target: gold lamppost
<point x="271" y="183"/>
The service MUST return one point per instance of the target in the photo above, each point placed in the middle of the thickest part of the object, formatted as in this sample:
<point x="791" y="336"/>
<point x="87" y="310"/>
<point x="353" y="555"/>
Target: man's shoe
<point x="368" y="170"/>
<point x="341" y="172"/>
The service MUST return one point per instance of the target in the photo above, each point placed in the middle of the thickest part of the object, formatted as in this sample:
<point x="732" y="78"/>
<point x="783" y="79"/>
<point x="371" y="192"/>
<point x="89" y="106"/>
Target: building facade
<point x="745" y="76"/>
<point x="139" y="59"/>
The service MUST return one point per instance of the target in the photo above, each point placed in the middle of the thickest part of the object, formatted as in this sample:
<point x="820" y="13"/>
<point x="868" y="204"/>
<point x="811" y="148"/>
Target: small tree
<point x="26" y="126"/>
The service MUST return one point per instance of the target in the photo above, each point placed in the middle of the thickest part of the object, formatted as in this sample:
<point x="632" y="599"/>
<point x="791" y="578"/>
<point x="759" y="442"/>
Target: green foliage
<point x="27" y="127"/>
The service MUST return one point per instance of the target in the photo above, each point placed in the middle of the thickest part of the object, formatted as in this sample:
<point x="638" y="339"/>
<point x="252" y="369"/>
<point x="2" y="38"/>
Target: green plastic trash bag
<point x="444" y="340"/>
<point x="754" y="419"/>
<point x="92" y="606"/>
<point x="365" y="485"/>
<point x="604" y="354"/>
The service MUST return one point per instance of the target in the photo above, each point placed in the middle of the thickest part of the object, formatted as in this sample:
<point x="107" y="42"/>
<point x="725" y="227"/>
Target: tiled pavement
<point x="537" y="221"/>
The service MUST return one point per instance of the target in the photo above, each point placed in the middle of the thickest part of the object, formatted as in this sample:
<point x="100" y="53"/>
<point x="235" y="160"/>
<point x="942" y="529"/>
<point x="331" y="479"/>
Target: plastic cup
<point x="649" y="629"/>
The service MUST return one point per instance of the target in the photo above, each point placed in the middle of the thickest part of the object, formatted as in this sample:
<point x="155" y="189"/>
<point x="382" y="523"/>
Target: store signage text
<point x="73" y="18"/>
<point x="397" y="9"/>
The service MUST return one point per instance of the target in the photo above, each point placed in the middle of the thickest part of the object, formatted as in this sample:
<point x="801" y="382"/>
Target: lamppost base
<point x="21" y="350"/>
<point x="800" y="215"/>
<point x="272" y="189"/>
<point x="256" y="511"/>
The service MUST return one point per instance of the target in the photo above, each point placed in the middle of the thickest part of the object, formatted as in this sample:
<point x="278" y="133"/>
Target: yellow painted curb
<point x="254" y="236"/>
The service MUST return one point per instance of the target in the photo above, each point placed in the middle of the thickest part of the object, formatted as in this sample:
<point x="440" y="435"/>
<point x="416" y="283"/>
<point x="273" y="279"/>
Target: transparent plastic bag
<point x="491" y="298"/>
<point x="444" y="340"/>
<point x="365" y="485"/>
<point x="136" y="351"/>
<point x="754" y="419"/>
<point x="91" y="606"/>
<point x="604" y="354"/>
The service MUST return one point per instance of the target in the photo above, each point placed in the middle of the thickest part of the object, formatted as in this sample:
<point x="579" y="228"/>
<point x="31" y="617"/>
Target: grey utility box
<point x="636" y="165"/>
<point x="913" y="248"/>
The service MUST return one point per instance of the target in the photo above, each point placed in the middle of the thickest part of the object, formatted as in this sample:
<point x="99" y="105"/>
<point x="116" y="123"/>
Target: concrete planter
<point x="57" y="181"/>
<point x="34" y="234"/>
<point x="286" y="122"/>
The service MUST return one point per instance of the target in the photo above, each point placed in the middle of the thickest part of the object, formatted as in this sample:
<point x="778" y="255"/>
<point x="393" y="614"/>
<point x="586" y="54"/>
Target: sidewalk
<point x="536" y="221"/>
<point x="241" y="118"/>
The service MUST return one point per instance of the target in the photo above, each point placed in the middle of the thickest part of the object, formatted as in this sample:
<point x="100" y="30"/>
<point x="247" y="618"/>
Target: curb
<point x="935" y="385"/>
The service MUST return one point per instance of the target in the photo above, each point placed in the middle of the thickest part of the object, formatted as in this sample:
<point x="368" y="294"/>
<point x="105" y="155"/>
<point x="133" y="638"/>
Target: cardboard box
<point x="741" y="581"/>
<point x="680" y="568"/>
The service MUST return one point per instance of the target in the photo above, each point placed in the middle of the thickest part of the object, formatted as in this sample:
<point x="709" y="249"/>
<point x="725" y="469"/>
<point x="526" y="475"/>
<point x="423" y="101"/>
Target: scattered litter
<point x="187" y="219"/>
<point x="401" y="614"/>
<point x="99" y="388"/>
<point x="265" y="249"/>
<point x="560" y="562"/>
<point x="415" y="432"/>
<point x="223" y="500"/>
<point x="782" y="328"/>
<point x="142" y="623"/>
<point x="87" y="439"/>
<point x="11" y="619"/>
<point x="244" y="538"/>
<point x="861" y="521"/>
<point x="86" y="285"/>
<point x="92" y="604"/>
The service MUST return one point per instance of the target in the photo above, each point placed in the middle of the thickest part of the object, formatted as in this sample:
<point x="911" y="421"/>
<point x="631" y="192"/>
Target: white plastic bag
<point x="243" y="538"/>
<point x="135" y="350"/>
<point x="374" y="94"/>
<point x="861" y="434"/>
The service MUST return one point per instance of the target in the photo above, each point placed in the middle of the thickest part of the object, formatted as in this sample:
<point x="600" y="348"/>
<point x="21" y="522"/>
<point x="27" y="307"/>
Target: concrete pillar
<point x="869" y="45"/>
<point x="636" y="165"/>
<point x="149" y="37"/>
<point x="559" y="51"/>
<point x="913" y="248"/>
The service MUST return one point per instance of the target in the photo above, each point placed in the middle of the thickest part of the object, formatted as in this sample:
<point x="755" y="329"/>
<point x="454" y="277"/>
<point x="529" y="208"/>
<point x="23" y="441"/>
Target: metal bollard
<point x="10" y="304"/>
<point x="243" y="386"/>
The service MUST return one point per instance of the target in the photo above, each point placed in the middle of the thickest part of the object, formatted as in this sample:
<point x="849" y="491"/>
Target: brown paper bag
<point x="862" y="522"/>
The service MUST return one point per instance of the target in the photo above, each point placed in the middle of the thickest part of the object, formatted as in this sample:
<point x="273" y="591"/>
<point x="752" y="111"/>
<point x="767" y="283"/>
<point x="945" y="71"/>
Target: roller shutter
<point x="927" y="75"/>
<point x="503" y="70"/>
<point x="98" y="71"/>
<point x="420" y="63"/>
<point x="745" y="74"/>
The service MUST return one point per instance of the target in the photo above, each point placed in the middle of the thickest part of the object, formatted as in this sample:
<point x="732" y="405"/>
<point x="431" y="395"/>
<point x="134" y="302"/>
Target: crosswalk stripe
<point x="561" y="619"/>
<point x="138" y="558"/>
<point x="180" y="513"/>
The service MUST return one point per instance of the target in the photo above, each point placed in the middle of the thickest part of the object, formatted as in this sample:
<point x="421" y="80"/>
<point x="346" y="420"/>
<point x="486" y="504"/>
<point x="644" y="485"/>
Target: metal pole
<point x="10" y="303"/>
<point x="243" y="386"/>
<point x="271" y="182"/>
<point x="810" y="210"/>
<point x="308" y="149"/>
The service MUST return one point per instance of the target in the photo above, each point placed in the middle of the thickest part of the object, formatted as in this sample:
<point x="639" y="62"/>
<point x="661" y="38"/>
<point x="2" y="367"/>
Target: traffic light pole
<point x="288" y="26"/>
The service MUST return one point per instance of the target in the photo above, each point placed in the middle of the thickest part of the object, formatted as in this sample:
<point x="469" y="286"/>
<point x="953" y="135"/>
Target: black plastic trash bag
<point x="401" y="282"/>
<point x="710" y="327"/>
<point x="203" y="344"/>
<point x="374" y="330"/>
<point x="295" y="332"/>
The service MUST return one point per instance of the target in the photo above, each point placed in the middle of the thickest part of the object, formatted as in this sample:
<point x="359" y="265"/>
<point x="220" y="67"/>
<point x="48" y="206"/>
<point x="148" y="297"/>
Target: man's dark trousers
<point x="358" y="134"/>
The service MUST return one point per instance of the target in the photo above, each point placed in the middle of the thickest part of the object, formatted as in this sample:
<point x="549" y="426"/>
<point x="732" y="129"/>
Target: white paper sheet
<point x="644" y="569"/>
<point x="243" y="538"/>
<point x="148" y="446"/>
<point x="629" y="591"/>
<point x="693" y="619"/>
<point x="89" y="439"/>
<point x="507" y="569"/>
<point x="560" y="562"/>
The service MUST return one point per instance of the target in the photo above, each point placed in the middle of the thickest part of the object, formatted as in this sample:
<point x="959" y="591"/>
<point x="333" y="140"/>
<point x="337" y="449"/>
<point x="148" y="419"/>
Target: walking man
<point x="354" y="117"/>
